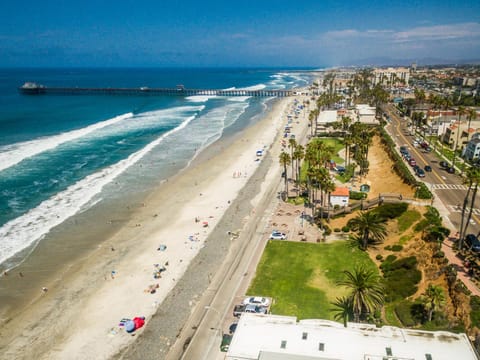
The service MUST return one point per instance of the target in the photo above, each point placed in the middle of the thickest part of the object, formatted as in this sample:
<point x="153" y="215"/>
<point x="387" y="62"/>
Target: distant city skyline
<point x="244" y="33"/>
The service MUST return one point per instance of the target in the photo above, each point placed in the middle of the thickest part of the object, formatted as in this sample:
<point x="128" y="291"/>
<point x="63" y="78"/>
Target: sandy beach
<point x="78" y="315"/>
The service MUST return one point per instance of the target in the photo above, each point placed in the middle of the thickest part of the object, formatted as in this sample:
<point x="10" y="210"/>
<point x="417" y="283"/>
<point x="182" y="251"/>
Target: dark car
<point x="443" y="164"/>
<point x="451" y="170"/>
<point x="420" y="173"/>
<point x="472" y="242"/>
<point x="428" y="168"/>
<point x="225" y="344"/>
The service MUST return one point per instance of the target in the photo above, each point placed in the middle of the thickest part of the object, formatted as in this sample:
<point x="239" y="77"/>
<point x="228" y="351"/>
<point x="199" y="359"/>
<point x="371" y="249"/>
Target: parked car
<point x="472" y="242"/>
<point x="238" y="310"/>
<point x="277" y="235"/>
<point x="256" y="309"/>
<point x="412" y="162"/>
<point x="451" y="170"/>
<point x="428" y="168"/>
<point x="420" y="173"/>
<point x="225" y="344"/>
<point x="443" y="164"/>
<point x="428" y="149"/>
<point x="256" y="300"/>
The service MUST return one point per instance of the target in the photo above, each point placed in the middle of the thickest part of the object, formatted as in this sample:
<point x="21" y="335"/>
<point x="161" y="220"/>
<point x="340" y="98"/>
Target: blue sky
<point x="234" y="33"/>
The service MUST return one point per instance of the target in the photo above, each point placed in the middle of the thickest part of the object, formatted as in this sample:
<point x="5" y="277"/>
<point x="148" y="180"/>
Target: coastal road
<point x="449" y="188"/>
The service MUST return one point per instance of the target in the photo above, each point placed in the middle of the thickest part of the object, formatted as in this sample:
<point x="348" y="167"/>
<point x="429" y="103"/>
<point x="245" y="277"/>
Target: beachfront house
<point x="339" y="197"/>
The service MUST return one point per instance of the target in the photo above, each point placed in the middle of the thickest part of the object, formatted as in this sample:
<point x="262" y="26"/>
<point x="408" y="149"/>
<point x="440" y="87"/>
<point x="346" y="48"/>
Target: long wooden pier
<point x="36" y="89"/>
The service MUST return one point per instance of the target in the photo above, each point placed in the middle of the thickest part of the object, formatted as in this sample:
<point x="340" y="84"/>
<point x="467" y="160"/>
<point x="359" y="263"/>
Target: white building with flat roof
<point x="274" y="337"/>
<point x="365" y="114"/>
<point x="391" y="76"/>
<point x="326" y="118"/>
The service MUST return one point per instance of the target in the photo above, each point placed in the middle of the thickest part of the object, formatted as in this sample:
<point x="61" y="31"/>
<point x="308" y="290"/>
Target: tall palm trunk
<point x="462" y="221"/>
<point x="472" y="204"/>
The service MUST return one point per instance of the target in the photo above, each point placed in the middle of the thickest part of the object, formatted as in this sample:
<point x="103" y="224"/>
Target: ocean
<point x="64" y="157"/>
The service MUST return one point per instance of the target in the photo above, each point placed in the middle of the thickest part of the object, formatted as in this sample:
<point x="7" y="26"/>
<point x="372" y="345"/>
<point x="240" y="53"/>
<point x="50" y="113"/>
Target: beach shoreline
<point x="103" y="287"/>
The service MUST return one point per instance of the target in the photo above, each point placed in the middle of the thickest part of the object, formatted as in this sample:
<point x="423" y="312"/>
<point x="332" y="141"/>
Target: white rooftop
<point x="273" y="337"/>
<point x="327" y="116"/>
<point x="365" y="109"/>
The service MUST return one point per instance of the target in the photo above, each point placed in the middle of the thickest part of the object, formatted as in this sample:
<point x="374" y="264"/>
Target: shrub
<point x="390" y="211"/>
<point x="357" y="195"/>
<point x="379" y="257"/>
<point x="336" y="230"/>
<point x="401" y="277"/>
<point x="439" y="254"/>
<point x="475" y="310"/>
<point x="422" y="191"/>
<point x="397" y="247"/>
<point x="346" y="228"/>
<point x="403" y="310"/>
<point x="431" y="218"/>
<point x="327" y="230"/>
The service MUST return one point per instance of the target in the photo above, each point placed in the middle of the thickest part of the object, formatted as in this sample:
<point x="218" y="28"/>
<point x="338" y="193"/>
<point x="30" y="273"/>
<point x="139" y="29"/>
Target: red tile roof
<point x="341" y="191"/>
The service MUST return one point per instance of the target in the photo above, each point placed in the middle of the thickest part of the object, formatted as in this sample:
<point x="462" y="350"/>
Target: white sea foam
<point x="238" y="98"/>
<point x="200" y="98"/>
<point x="254" y="87"/>
<point x="25" y="230"/>
<point x="15" y="153"/>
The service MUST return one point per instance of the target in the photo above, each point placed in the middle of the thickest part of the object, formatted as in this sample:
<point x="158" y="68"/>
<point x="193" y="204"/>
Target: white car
<point x="256" y="309"/>
<point x="256" y="300"/>
<point x="277" y="235"/>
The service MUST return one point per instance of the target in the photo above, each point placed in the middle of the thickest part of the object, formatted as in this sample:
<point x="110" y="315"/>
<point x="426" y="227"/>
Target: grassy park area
<point x="301" y="277"/>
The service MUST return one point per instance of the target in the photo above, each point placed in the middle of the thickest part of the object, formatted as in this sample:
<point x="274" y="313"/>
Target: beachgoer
<point x="44" y="289"/>
<point x="20" y="274"/>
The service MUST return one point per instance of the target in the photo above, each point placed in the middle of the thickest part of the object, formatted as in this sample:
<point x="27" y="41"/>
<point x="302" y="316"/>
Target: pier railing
<point x="34" y="89"/>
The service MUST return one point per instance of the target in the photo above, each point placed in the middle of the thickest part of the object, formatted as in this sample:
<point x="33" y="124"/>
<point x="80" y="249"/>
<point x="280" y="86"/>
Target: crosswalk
<point x="449" y="187"/>
<point x="458" y="209"/>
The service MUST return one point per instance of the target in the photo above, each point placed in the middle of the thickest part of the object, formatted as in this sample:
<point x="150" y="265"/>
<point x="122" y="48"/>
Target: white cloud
<point x="438" y="32"/>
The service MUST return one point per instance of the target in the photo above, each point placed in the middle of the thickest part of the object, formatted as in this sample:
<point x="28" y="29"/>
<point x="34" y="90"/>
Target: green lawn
<point x="301" y="277"/>
<point x="338" y="145"/>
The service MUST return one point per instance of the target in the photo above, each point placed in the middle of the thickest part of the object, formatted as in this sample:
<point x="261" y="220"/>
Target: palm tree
<point x="433" y="299"/>
<point x="298" y="155"/>
<point x="342" y="309"/>
<point x="369" y="227"/>
<point x="292" y="144"/>
<point x="366" y="291"/>
<point x="312" y="117"/>
<point x="471" y="115"/>
<point x="461" y="111"/>
<point x="472" y="179"/>
<point x="285" y="161"/>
